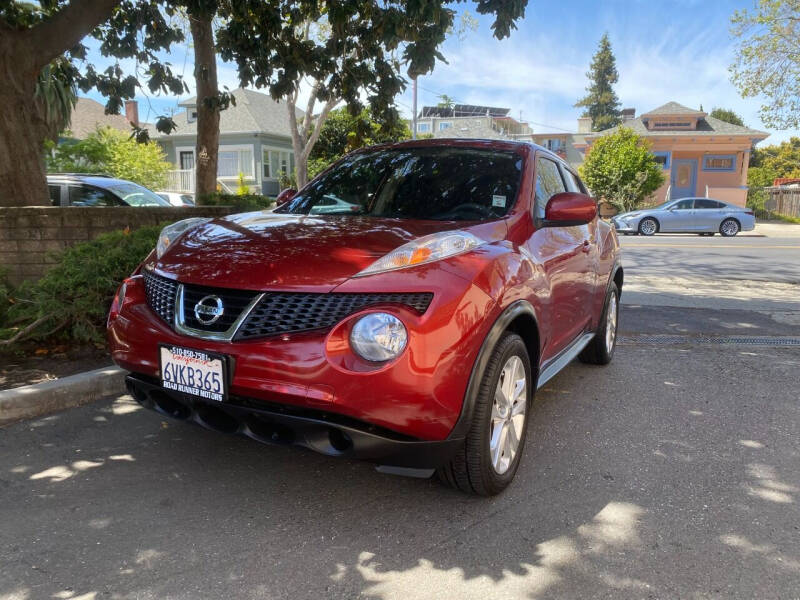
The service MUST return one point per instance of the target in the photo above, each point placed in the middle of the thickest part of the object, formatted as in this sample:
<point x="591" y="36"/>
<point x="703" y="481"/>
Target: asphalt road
<point x="671" y="473"/>
<point x="775" y="259"/>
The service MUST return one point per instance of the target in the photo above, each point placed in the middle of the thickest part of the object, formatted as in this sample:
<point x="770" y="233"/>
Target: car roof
<point x="486" y="143"/>
<point x="101" y="181"/>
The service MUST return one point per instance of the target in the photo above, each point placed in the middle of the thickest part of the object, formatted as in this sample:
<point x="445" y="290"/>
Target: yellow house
<point x="700" y="155"/>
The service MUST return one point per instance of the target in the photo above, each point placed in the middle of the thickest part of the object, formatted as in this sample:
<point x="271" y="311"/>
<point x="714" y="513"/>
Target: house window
<point x="423" y="127"/>
<point x="663" y="159"/>
<point x="666" y="124"/>
<point x="186" y="160"/>
<point x="719" y="162"/>
<point x="191" y="116"/>
<point x="276" y="162"/>
<point x="232" y="161"/>
<point x="445" y="125"/>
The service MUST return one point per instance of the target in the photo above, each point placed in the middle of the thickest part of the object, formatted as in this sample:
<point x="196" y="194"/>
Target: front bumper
<point x="324" y="432"/>
<point x="419" y="395"/>
<point x="625" y="226"/>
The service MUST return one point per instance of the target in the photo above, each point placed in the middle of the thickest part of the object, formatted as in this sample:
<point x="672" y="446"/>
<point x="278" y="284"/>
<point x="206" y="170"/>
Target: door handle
<point x="586" y="246"/>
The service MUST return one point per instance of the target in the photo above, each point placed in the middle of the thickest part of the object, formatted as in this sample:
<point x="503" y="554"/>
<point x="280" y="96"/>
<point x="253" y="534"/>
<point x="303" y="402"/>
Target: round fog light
<point x="378" y="337"/>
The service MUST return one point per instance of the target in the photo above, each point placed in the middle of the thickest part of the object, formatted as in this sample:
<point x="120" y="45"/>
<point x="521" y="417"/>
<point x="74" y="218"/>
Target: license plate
<point x="193" y="372"/>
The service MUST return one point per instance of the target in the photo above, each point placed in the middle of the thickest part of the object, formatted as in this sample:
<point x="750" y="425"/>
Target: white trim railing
<point x="181" y="180"/>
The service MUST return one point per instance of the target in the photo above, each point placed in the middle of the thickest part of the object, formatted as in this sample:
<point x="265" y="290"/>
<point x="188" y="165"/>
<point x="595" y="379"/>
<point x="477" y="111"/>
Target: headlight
<point x="170" y="233"/>
<point x="424" y="250"/>
<point x="378" y="337"/>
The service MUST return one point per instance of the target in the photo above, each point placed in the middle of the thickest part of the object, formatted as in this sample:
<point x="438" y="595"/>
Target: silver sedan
<point x="704" y="216"/>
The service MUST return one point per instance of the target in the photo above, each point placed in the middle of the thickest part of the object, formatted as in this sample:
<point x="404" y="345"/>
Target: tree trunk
<point x="205" y="73"/>
<point x="23" y="55"/>
<point x="22" y="175"/>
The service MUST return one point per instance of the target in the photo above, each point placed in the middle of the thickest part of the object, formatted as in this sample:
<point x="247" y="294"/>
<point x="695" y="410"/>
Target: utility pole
<point x="414" y="118"/>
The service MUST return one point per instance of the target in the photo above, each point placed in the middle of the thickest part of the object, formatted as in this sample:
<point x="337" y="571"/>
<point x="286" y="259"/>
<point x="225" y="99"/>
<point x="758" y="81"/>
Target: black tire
<point x="471" y="469"/>
<point x="645" y="227"/>
<point x="729" y="227"/>
<point x="598" y="352"/>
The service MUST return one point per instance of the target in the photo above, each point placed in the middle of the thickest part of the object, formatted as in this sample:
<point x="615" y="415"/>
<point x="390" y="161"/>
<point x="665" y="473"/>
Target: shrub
<point x="242" y="189"/>
<point x="72" y="300"/>
<point x="240" y="202"/>
<point x="621" y="170"/>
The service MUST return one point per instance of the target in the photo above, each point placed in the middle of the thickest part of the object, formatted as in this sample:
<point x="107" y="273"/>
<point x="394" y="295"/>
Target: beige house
<point x="700" y="155"/>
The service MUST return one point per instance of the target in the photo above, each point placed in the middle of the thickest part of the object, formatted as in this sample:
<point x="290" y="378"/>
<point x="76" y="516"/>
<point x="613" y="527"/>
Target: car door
<point x="678" y="217"/>
<point x="566" y="261"/>
<point x="707" y="214"/>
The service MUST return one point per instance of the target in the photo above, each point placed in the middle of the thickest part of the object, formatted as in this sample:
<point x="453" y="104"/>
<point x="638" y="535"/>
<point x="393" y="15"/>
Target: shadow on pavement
<point x="643" y="479"/>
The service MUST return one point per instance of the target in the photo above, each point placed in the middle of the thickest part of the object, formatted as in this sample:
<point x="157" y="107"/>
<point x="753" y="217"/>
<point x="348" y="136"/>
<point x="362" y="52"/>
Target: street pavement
<point x="671" y="473"/>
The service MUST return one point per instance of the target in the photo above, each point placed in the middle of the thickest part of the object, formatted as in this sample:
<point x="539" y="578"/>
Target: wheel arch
<point x="520" y="318"/>
<point x="618" y="277"/>
<point x="738" y="222"/>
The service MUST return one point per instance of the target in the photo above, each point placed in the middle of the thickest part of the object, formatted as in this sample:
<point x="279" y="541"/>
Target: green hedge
<point x="72" y="300"/>
<point x="243" y="202"/>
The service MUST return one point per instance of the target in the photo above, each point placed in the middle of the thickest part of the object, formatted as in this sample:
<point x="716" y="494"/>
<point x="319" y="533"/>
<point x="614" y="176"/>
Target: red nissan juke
<point x="401" y="308"/>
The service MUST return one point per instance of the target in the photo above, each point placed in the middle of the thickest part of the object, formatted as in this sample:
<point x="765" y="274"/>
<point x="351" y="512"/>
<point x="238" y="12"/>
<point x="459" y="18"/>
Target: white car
<point x="177" y="198"/>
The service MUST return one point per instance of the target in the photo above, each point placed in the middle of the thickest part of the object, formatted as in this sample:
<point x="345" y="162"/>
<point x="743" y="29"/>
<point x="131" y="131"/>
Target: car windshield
<point x="429" y="183"/>
<point x="136" y="195"/>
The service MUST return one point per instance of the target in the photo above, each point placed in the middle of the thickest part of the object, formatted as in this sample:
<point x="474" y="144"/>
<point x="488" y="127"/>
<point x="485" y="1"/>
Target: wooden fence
<point x="783" y="201"/>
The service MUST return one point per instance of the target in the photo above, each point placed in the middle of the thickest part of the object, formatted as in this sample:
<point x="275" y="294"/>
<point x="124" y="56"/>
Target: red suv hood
<point x="294" y="252"/>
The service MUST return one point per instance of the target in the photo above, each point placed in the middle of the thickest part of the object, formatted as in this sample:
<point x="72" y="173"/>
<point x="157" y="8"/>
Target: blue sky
<point x="677" y="50"/>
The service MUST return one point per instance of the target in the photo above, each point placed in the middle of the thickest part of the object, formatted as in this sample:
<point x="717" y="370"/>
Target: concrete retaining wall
<point x="30" y="235"/>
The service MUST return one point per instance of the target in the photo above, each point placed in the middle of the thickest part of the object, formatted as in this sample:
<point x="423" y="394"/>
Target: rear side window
<point x="85" y="195"/>
<point x="55" y="194"/>
<point x="548" y="184"/>
<point x="701" y="203"/>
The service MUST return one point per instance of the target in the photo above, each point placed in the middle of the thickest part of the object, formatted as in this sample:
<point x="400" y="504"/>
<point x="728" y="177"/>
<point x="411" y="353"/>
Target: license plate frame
<point x="189" y="356"/>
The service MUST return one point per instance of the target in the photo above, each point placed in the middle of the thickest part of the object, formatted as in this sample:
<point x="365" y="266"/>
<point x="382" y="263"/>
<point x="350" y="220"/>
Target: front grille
<point x="161" y="293"/>
<point x="234" y="302"/>
<point x="280" y="312"/>
<point x="276" y="313"/>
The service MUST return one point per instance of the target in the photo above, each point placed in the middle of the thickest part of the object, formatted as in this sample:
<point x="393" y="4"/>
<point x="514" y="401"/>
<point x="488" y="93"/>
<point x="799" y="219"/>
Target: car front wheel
<point x="489" y="459"/>
<point x="729" y="227"/>
<point x="648" y="226"/>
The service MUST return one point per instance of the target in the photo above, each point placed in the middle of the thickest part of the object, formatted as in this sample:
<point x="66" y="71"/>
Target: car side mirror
<point x="285" y="196"/>
<point x="568" y="209"/>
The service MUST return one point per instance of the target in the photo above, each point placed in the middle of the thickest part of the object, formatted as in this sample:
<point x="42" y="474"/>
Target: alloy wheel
<point x="729" y="227"/>
<point x="647" y="227"/>
<point x="508" y="414"/>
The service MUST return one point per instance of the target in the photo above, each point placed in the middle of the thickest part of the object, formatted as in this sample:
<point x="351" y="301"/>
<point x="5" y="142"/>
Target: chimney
<point x="584" y="124"/>
<point x="628" y="114"/>
<point x="132" y="111"/>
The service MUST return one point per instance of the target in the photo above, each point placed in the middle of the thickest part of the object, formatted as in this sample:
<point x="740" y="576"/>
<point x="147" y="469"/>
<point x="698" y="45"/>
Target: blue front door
<point x="684" y="178"/>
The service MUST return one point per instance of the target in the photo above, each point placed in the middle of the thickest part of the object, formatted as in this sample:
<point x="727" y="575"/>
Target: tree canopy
<point x="767" y="60"/>
<point x="727" y="115"/>
<point x="369" y="45"/>
<point x="343" y="132"/>
<point x="601" y="102"/>
<point x="620" y="169"/>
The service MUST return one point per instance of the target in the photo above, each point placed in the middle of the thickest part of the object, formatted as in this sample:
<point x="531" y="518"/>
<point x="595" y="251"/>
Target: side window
<point x="702" y="203"/>
<point x="683" y="205"/>
<point x="84" y="195"/>
<point x="55" y="194"/>
<point x="548" y="184"/>
<point x="572" y="181"/>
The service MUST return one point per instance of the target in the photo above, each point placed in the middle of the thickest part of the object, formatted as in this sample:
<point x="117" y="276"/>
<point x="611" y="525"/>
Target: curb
<point x="39" y="399"/>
